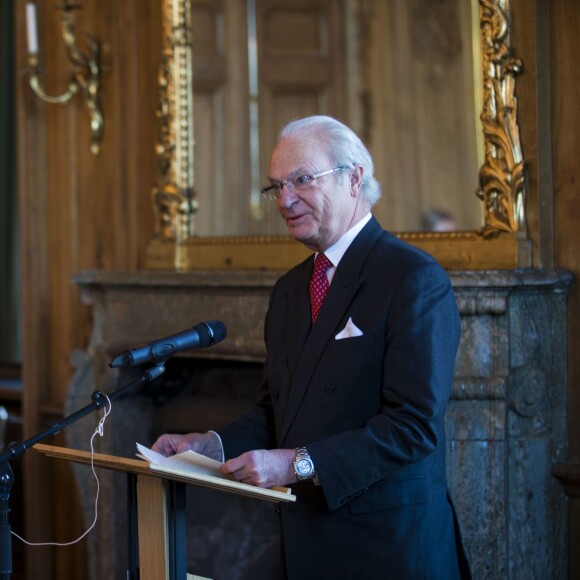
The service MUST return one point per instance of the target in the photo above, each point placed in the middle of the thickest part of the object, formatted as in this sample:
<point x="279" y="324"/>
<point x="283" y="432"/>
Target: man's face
<point x="319" y="216"/>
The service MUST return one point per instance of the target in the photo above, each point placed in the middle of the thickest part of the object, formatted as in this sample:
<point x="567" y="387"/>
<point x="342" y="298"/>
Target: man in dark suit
<point x="357" y="379"/>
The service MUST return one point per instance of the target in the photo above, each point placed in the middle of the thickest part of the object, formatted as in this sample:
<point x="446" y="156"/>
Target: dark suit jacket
<point x="370" y="410"/>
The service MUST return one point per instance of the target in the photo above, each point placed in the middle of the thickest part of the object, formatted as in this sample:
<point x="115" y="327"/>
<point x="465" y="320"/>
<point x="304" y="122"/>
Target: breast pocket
<point x="354" y="343"/>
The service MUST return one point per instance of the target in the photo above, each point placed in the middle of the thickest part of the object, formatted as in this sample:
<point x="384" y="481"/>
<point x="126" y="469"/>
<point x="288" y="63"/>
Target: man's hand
<point x="262" y="468"/>
<point x="207" y="444"/>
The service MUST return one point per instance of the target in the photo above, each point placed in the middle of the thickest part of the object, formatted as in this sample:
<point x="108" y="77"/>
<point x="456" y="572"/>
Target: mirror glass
<point x="421" y="91"/>
<point x="406" y="76"/>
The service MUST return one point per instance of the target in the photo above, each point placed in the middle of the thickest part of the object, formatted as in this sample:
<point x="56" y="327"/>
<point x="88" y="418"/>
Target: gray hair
<point x="344" y="148"/>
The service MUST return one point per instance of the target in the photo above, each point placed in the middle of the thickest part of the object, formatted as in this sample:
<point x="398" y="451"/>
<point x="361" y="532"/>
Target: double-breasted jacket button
<point x="329" y="389"/>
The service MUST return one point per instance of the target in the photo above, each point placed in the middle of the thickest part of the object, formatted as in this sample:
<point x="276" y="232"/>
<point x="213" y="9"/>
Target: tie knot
<point x="321" y="264"/>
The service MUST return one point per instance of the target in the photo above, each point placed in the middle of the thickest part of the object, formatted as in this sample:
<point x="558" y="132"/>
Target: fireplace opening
<point x="196" y="394"/>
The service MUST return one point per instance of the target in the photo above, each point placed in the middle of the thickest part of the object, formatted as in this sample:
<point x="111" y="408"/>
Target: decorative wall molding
<point x="502" y="176"/>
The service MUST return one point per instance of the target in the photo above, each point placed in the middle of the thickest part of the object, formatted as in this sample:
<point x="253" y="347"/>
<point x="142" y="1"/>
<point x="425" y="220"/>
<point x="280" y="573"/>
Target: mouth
<point x="292" y="220"/>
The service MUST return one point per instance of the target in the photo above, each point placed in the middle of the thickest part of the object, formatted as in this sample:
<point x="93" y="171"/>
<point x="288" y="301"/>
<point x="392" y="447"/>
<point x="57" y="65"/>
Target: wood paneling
<point x="220" y="113"/>
<point x="78" y="211"/>
<point x="565" y="43"/>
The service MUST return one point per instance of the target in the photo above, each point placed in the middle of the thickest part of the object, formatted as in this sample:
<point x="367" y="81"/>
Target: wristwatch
<point x="303" y="465"/>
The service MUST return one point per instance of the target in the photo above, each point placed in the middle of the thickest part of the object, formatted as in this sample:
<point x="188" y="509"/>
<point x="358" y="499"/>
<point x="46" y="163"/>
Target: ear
<point x="356" y="179"/>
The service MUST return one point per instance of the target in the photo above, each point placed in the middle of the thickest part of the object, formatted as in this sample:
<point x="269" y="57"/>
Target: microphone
<point x="201" y="335"/>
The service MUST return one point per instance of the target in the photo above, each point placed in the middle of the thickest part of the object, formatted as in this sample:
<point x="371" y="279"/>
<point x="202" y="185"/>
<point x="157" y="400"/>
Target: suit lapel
<point x="305" y="353"/>
<point x="298" y="325"/>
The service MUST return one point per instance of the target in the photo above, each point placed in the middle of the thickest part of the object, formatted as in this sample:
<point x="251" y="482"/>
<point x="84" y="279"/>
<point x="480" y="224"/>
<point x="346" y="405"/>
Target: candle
<point x="31" y="29"/>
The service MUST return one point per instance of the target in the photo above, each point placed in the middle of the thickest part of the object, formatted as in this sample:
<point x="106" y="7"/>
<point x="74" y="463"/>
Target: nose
<point x="287" y="197"/>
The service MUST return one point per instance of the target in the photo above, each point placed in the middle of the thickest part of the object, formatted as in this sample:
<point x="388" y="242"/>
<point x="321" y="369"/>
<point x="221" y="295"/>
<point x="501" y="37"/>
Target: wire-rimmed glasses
<point x="298" y="184"/>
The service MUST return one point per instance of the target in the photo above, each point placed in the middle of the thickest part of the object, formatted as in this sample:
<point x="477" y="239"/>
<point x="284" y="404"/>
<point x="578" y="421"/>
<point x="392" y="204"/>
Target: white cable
<point x="98" y="431"/>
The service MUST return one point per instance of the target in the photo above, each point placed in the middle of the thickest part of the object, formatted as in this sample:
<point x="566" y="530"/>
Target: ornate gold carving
<point x="418" y="236"/>
<point x="85" y="76"/>
<point x="174" y="199"/>
<point x="501" y="177"/>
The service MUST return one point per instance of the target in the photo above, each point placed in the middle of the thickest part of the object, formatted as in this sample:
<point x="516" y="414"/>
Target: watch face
<point x="303" y="467"/>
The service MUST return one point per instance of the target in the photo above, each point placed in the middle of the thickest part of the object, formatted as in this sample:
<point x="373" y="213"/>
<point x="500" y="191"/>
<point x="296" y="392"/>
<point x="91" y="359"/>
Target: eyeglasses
<point x="298" y="184"/>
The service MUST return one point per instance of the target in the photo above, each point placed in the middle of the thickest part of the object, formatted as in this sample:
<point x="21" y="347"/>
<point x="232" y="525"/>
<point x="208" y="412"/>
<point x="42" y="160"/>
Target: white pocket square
<point x="350" y="330"/>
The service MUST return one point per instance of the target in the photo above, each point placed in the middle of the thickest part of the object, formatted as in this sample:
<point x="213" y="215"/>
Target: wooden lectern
<point x="157" y="530"/>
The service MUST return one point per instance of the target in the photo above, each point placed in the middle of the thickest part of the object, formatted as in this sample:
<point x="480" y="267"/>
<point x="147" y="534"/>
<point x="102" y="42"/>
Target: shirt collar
<point x="337" y="251"/>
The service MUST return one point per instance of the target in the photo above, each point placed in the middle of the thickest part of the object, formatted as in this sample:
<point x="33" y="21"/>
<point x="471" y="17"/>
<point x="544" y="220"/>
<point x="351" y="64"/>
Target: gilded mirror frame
<point x="501" y="243"/>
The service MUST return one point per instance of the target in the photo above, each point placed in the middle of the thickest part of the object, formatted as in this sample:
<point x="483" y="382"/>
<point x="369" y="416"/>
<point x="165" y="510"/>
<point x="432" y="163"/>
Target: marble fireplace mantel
<point x="506" y="423"/>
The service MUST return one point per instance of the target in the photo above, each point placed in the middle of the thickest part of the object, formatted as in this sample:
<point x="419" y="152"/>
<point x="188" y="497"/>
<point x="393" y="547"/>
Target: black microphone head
<point x="201" y="335"/>
<point x="216" y="331"/>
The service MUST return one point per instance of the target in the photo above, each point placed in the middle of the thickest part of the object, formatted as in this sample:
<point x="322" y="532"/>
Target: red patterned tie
<point x="319" y="283"/>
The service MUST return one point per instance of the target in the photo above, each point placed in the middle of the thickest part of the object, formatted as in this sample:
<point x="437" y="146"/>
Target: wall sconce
<point x="86" y="71"/>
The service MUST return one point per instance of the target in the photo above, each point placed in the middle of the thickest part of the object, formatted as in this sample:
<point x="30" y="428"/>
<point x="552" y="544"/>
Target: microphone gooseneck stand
<point x="19" y="448"/>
